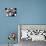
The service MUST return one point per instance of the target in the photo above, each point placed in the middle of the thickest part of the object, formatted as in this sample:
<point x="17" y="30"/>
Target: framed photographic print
<point x="32" y="32"/>
<point x="10" y="11"/>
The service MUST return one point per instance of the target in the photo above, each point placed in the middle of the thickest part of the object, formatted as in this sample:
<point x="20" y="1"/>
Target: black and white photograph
<point x="10" y="11"/>
<point x="31" y="34"/>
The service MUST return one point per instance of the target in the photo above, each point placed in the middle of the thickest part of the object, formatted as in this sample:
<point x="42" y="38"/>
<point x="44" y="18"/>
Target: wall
<point x="28" y="12"/>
